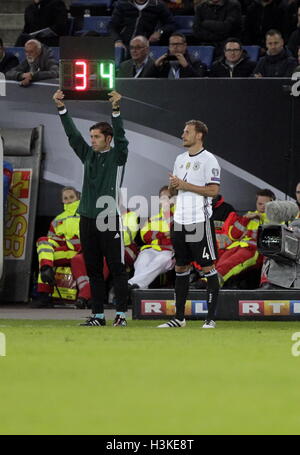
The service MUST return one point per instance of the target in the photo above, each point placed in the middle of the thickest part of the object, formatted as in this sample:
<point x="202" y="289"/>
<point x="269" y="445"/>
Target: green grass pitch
<point x="58" y="378"/>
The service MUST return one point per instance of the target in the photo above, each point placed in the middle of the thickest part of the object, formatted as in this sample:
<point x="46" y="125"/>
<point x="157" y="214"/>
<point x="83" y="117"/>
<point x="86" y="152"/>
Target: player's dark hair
<point x="267" y="193"/>
<point x="104" y="127"/>
<point x="273" y="32"/>
<point x="200" y="127"/>
<point x="163" y="188"/>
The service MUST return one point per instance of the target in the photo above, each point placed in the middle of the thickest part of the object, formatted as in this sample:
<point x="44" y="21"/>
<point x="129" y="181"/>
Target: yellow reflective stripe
<point x="241" y="267"/>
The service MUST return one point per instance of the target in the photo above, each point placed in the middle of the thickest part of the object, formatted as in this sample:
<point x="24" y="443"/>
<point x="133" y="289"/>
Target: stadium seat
<point x="184" y="24"/>
<point x="204" y="53"/>
<point x="94" y="7"/>
<point x="18" y="52"/>
<point x="99" y="24"/>
<point x="157" y="51"/>
<point x="119" y="56"/>
<point x="56" y="53"/>
<point x="253" y="52"/>
<point x="91" y="3"/>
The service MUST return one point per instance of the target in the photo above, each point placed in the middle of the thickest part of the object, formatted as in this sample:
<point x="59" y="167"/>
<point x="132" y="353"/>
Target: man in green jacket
<point x="100" y="218"/>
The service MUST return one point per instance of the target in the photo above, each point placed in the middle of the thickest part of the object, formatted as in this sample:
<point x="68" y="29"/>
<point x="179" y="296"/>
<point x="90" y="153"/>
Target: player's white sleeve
<point x="212" y="171"/>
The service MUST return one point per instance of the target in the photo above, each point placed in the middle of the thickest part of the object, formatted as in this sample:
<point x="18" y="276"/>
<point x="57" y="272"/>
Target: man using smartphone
<point x="177" y="63"/>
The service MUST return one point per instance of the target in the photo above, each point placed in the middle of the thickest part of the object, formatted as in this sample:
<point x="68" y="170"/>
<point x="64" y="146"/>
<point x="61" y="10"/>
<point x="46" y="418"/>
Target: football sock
<point x="213" y="287"/>
<point x="121" y="314"/>
<point x="99" y="315"/>
<point x="181" y="290"/>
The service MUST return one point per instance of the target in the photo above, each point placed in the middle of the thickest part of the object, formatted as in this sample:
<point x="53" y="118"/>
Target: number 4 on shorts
<point x="205" y="255"/>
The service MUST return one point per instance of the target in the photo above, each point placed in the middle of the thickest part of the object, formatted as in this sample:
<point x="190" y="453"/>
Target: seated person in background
<point x="177" y="63"/>
<point x="242" y="253"/>
<point x="45" y="20"/>
<point x="294" y="39"/>
<point x="157" y="255"/>
<point x="277" y="62"/>
<point x="7" y="59"/>
<point x="59" y="247"/>
<point x="297" y="69"/>
<point x="261" y="16"/>
<point x="234" y="63"/>
<point x="140" y="64"/>
<point x="40" y="64"/>
<point x="217" y="20"/>
<point x="150" y="18"/>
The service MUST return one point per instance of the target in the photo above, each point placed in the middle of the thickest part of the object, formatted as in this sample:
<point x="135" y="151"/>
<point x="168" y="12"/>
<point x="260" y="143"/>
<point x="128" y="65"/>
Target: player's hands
<point x="115" y="98"/>
<point x="58" y="97"/>
<point x="155" y="37"/>
<point x="176" y="183"/>
<point x="253" y="216"/>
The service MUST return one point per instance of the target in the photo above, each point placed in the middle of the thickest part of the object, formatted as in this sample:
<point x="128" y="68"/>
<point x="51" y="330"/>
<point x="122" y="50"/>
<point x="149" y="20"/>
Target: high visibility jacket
<point x="130" y="228"/>
<point x="156" y="232"/>
<point x="65" y="227"/>
<point x="243" y="232"/>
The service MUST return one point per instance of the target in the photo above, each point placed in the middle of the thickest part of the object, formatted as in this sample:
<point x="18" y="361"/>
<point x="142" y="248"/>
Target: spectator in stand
<point x="150" y="18"/>
<point x="294" y="40"/>
<point x="217" y="20"/>
<point x="45" y="20"/>
<point x="298" y="61"/>
<point x="277" y="62"/>
<point x="157" y="255"/>
<point x="182" y="7"/>
<point x="290" y="16"/>
<point x="177" y="62"/>
<point x="234" y="63"/>
<point x="7" y="59"/>
<point x="242" y="253"/>
<point x="39" y="64"/>
<point x="262" y="15"/>
<point x="140" y="64"/>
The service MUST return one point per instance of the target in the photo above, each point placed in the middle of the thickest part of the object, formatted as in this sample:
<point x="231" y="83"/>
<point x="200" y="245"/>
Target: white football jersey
<point x="200" y="169"/>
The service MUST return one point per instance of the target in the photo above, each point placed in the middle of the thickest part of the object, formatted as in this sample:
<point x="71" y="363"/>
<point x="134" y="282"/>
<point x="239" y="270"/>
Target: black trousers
<point x="97" y="244"/>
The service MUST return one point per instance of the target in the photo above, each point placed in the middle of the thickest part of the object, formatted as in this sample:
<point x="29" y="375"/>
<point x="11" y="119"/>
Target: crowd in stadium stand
<point x="228" y="26"/>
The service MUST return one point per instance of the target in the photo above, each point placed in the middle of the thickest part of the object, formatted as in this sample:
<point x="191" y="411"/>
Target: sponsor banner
<point x="17" y="211"/>
<point x="269" y="307"/>
<point x="151" y="307"/>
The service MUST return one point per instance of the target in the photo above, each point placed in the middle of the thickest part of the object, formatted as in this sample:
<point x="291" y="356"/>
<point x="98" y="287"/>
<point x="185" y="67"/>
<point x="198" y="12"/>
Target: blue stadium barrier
<point x="99" y="24"/>
<point x="18" y="52"/>
<point x="184" y="24"/>
<point x="253" y="52"/>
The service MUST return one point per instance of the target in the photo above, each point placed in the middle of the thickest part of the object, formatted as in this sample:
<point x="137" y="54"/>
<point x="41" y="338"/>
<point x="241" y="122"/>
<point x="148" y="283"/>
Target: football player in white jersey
<point x="195" y="180"/>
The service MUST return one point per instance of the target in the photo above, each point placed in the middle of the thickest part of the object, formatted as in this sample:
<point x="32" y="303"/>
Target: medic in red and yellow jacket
<point x="156" y="232"/>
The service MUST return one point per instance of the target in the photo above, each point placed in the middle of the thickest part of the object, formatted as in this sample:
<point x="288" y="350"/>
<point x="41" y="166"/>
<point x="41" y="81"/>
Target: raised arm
<point x="76" y="141"/>
<point x="120" y="141"/>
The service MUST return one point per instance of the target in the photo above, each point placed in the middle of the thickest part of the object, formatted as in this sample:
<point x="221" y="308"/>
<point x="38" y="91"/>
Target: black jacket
<point x="244" y="68"/>
<point x="259" y="19"/>
<point x="195" y="68"/>
<point x="280" y="65"/>
<point x="127" y="69"/>
<point x="294" y="42"/>
<point x="47" y="13"/>
<point x="127" y="21"/>
<point x="215" y="23"/>
<point x="45" y="67"/>
<point x="9" y="61"/>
